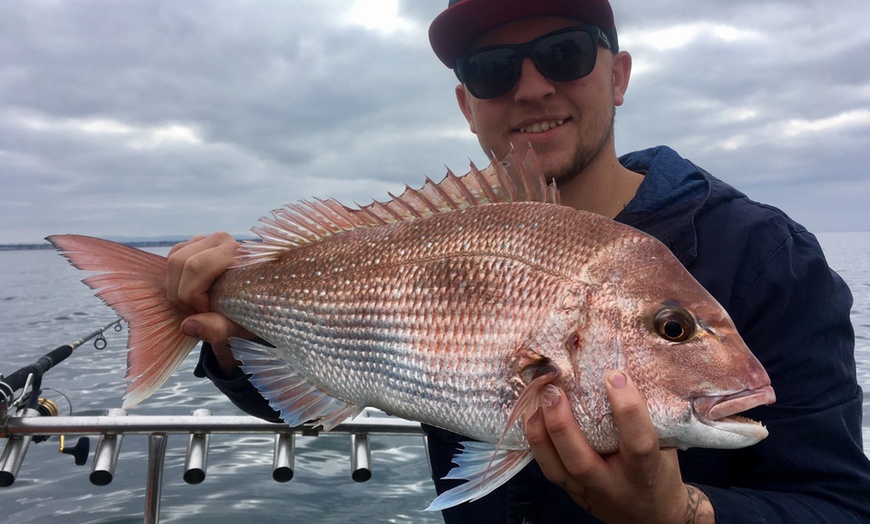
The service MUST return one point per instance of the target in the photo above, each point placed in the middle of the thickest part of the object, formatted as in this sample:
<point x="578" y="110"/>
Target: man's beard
<point x="583" y="156"/>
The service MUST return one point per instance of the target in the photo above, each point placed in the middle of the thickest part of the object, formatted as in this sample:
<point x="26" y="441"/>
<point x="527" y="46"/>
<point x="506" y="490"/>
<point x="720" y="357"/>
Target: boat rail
<point x="28" y="418"/>
<point x="111" y="427"/>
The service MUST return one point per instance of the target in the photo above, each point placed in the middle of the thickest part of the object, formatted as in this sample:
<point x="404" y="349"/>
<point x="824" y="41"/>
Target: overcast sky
<point x="170" y="117"/>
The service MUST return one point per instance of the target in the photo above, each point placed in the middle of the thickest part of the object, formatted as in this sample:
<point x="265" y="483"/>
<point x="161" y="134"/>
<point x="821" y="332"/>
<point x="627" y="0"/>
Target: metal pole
<point x="106" y="455"/>
<point x="283" y="459"/>
<point x="13" y="454"/>
<point x="105" y="460"/>
<point x="196" y="459"/>
<point x="156" y="454"/>
<point x="147" y="424"/>
<point x="360" y="458"/>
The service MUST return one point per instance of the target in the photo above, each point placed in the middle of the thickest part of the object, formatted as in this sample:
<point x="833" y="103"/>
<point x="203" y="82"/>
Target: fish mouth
<point x="721" y="411"/>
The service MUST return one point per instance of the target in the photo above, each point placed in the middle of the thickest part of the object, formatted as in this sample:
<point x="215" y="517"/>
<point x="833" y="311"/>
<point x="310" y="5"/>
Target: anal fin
<point x="289" y="393"/>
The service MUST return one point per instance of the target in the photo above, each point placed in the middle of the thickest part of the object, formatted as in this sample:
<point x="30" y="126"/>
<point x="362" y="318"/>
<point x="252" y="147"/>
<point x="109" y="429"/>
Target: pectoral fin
<point x="485" y="468"/>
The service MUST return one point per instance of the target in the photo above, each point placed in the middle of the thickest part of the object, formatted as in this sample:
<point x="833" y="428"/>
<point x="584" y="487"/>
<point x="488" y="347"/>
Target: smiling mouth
<point x="540" y="127"/>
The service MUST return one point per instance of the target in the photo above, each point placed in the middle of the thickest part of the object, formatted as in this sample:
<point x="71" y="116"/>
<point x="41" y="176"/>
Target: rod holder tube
<point x="12" y="458"/>
<point x="360" y="458"/>
<point x="284" y="459"/>
<point x="106" y="454"/>
<point x="196" y="459"/>
<point x="13" y="454"/>
<point x="105" y="459"/>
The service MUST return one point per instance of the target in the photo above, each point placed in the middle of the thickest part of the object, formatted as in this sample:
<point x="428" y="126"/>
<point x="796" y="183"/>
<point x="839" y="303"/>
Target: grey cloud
<point x="161" y="117"/>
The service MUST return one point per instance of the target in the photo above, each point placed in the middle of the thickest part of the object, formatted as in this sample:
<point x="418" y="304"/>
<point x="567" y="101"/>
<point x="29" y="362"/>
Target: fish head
<point x="704" y="376"/>
<point x="686" y="356"/>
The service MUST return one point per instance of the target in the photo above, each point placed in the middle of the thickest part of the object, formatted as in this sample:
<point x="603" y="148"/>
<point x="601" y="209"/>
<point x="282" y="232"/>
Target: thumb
<point x="638" y="441"/>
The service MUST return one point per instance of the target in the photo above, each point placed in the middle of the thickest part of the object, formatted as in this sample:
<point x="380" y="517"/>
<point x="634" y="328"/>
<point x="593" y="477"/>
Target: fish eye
<point x="674" y="324"/>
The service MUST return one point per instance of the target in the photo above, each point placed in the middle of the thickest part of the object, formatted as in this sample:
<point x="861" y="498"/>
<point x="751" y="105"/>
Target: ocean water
<point x="43" y="305"/>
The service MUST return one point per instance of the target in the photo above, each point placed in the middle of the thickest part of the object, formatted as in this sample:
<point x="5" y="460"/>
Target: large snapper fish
<point x="454" y="305"/>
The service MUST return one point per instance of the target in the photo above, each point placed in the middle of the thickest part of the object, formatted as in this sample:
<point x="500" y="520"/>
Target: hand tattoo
<point x="699" y="509"/>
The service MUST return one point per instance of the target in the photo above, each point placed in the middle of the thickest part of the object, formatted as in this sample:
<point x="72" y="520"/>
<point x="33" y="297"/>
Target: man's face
<point x="568" y="124"/>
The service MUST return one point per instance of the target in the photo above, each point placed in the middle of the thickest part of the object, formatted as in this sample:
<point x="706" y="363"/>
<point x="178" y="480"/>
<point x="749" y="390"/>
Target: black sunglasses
<point x="564" y="55"/>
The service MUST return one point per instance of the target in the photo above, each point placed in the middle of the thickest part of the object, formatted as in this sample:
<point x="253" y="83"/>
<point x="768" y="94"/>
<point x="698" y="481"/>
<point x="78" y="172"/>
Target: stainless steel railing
<point x="20" y="430"/>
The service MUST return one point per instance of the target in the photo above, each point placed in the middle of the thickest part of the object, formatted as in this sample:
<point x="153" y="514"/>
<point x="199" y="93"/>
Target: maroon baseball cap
<point x="465" y="20"/>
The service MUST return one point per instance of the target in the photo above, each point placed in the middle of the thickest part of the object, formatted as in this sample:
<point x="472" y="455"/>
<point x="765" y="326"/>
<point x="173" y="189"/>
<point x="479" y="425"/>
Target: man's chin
<point x="560" y="170"/>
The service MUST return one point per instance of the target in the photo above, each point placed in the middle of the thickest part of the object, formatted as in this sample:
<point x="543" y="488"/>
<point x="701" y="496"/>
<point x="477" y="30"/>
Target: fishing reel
<point x="47" y="408"/>
<point x="41" y="407"/>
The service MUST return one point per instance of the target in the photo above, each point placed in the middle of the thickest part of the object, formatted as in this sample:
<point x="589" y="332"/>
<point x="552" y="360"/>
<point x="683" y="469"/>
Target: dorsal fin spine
<point x="334" y="223"/>
<point x="342" y="212"/>
<point x="531" y="189"/>
<point x="513" y="180"/>
<point x="421" y="196"/>
<point x="370" y="209"/>
<point x="454" y="180"/>
<point x="404" y="205"/>
<point x="295" y="226"/>
<point x="505" y="181"/>
<point x="484" y="184"/>
<point x="314" y="220"/>
<point x="442" y="194"/>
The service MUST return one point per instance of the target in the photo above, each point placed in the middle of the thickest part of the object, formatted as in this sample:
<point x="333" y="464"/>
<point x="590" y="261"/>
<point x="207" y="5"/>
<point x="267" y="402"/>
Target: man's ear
<point x="621" y="76"/>
<point x="463" y="98"/>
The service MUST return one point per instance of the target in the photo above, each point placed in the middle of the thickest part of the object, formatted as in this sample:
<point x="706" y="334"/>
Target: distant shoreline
<point x="46" y="245"/>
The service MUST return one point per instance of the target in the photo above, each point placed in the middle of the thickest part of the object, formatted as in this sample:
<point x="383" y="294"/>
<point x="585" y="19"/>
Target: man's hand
<point x="191" y="269"/>
<point x="638" y="483"/>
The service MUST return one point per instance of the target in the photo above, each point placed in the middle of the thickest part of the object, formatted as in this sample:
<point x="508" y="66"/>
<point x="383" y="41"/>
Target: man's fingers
<point x="200" y="271"/>
<point x="560" y="447"/>
<point x="192" y="268"/>
<point x="213" y="328"/>
<point x="636" y="483"/>
<point x="579" y="459"/>
<point x="638" y="441"/>
<point x="543" y="449"/>
<point x="184" y="244"/>
<point x="216" y="330"/>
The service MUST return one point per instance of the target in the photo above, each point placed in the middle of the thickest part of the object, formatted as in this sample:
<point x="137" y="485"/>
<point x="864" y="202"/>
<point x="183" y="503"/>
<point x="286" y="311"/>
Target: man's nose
<point x="532" y="84"/>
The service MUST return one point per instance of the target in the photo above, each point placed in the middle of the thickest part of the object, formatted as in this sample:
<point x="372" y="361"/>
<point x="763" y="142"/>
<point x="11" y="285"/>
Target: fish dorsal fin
<point x="514" y="179"/>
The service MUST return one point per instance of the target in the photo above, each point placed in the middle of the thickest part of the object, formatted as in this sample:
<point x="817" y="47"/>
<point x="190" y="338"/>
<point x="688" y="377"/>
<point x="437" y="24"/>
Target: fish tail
<point x="133" y="283"/>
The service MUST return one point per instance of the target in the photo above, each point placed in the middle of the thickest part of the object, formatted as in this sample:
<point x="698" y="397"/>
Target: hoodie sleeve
<point x="237" y="387"/>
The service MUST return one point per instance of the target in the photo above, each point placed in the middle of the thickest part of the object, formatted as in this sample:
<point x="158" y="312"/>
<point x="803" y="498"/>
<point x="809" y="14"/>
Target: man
<point x="549" y="73"/>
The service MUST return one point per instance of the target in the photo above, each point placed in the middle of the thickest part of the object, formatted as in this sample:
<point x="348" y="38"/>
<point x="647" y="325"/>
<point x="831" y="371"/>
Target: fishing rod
<point x="29" y="377"/>
<point x="29" y="404"/>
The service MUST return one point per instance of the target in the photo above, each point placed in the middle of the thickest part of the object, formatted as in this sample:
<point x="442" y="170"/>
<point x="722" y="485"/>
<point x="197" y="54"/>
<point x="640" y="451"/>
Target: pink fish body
<point x="454" y="305"/>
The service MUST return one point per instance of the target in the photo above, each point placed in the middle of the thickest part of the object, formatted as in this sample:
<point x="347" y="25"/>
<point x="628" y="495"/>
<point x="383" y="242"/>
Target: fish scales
<point x="456" y="305"/>
<point x="428" y="320"/>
